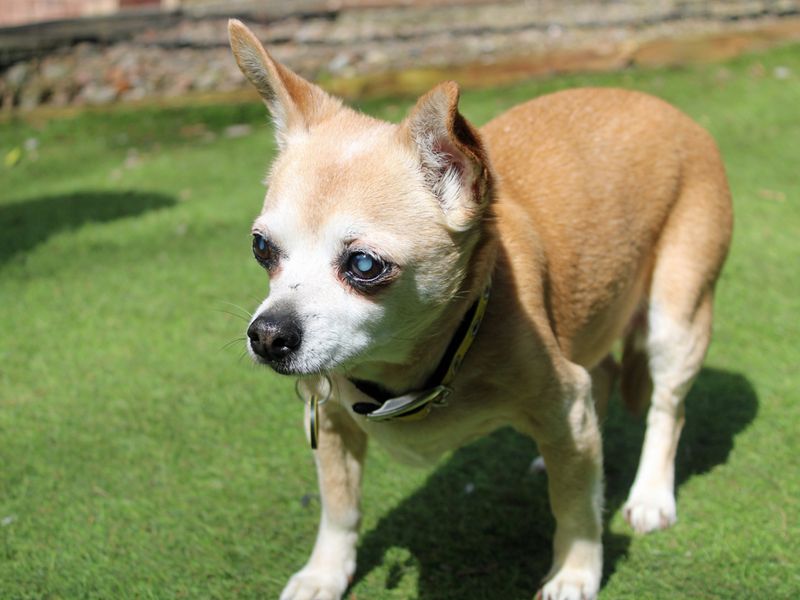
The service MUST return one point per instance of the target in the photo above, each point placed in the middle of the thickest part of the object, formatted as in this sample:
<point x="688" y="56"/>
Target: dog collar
<point x="417" y="404"/>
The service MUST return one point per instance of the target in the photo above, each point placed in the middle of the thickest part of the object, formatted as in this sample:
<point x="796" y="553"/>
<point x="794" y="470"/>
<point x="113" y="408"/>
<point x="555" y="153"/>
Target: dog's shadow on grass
<point x="27" y="223"/>
<point x="480" y="527"/>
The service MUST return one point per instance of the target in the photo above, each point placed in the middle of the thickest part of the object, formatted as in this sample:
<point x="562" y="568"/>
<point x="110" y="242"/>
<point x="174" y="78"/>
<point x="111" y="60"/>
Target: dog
<point x="431" y="282"/>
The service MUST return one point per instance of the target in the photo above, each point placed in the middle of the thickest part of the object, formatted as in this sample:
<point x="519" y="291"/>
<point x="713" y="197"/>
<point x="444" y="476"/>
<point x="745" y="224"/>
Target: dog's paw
<point x="571" y="584"/>
<point x="316" y="584"/>
<point x="651" y="510"/>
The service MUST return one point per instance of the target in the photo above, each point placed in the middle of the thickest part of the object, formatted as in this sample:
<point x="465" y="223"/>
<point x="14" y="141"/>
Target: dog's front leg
<point x="569" y="440"/>
<point x="340" y="458"/>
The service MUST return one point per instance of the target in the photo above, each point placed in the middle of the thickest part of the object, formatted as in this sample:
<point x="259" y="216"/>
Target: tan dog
<point x="595" y="213"/>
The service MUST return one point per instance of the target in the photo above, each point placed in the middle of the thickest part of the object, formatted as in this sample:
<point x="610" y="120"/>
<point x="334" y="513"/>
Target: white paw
<point x="316" y="584"/>
<point x="651" y="510"/>
<point x="571" y="584"/>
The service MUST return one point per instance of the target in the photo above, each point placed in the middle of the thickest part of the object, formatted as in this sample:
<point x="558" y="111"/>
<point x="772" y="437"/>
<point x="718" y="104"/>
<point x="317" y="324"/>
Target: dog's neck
<point x="432" y="344"/>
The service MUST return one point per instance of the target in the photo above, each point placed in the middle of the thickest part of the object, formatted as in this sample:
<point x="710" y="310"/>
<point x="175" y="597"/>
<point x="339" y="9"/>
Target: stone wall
<point x="14" y="12"/>
<point x="389" y="45"/>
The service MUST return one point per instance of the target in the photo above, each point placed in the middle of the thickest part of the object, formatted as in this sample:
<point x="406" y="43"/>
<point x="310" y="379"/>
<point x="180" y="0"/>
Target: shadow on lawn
<point x="25" y="224"/>
<point x="481" y="527"/>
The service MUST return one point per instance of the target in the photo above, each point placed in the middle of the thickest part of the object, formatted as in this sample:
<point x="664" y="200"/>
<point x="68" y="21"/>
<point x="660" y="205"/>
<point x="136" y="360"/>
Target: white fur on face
<point x="355" y="148"/>
<point x="338" y="324"/>
<point x="334" y="320"/>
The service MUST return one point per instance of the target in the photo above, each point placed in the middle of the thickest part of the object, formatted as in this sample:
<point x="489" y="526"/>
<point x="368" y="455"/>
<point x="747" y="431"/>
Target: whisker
<point x="227" y="312"/>
<point x="233" y="341"/>
<point x="239" y="312"/>
<point x="241" y="308"/>
<point x="398" y="338"/>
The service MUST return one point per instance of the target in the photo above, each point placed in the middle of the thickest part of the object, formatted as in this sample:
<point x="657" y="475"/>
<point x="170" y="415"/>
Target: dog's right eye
<point x="262" y="249"/>
<point x="364" y="267"/>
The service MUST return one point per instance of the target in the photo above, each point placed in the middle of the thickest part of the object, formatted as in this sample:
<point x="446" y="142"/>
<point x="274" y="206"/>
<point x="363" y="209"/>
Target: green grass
<point x="142" y="458"/>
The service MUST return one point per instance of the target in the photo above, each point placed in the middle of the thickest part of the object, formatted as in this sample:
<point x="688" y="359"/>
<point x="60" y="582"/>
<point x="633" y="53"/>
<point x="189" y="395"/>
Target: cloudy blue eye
<point x="261" y="248"/>
<point x="364" y="263"/>
<point x="364" y="267"/>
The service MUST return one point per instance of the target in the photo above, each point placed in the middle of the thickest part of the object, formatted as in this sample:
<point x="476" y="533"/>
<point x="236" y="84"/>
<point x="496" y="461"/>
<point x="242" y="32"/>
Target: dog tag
<point x="314" y="403"/>
<point x="313" y="417"/>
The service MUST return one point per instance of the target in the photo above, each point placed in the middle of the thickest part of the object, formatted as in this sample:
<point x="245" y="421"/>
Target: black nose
<point x="274" y="337"/>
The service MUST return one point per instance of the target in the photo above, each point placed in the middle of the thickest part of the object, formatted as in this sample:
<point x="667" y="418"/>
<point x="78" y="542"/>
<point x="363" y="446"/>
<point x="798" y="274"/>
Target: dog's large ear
<point x="293" y="102"/>
<point x="452" y="156"/>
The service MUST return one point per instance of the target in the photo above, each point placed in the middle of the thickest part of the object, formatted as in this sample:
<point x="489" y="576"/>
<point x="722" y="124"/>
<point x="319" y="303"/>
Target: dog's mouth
<point x="285" y="366"/>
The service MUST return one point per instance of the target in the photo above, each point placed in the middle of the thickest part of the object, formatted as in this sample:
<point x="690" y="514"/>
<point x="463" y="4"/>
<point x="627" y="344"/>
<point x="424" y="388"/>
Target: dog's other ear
<point x="452" y="156"/>
<point x="293" y="102"/>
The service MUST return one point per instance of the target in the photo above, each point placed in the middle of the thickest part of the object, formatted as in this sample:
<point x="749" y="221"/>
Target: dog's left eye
<point x="262" y="249"/>
<point x="365" y="267"/>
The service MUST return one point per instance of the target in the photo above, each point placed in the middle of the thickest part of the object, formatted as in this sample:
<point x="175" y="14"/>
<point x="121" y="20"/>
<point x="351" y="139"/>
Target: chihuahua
<point x="431" y="282"/>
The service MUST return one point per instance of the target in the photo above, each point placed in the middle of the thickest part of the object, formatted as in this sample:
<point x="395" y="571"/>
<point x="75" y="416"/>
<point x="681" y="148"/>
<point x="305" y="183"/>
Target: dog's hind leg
<point x="676" y="346"/>
<point x="688" y="258"/>
<point x="340" y="459"/>
<point x="674" y="340"/>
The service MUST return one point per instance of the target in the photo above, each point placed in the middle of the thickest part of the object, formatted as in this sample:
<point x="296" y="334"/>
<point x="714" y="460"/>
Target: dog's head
<point x="367" y="229"/>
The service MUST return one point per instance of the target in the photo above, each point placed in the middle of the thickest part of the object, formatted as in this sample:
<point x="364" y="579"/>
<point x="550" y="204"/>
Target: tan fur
<point x="597" y="214"/>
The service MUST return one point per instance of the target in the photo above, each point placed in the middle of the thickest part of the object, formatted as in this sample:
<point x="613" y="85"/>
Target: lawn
<point x="143" y="456"/>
